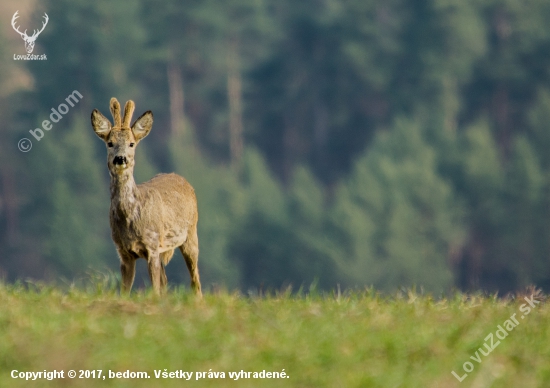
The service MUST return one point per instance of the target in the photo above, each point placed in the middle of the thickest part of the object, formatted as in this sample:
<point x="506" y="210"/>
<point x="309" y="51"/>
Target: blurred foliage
<point x="390" y="143"/>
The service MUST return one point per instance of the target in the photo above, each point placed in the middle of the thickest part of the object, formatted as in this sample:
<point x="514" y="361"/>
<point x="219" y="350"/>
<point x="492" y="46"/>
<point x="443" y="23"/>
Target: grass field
<point x="357" y="339"/>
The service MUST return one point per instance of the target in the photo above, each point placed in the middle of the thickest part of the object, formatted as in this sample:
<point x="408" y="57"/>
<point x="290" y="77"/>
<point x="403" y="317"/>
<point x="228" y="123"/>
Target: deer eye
<point x="110" y="144"/>
<point x="132" y="144"/>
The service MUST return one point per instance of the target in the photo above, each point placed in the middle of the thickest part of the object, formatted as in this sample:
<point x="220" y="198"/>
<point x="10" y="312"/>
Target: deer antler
<point x="115" y="111"/>
<point x="36" y="33"/>
<point x="128" y="112"/>
<point x="15" y="16"/>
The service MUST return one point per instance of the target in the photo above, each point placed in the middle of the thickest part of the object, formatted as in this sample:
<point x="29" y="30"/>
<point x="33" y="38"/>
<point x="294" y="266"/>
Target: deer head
<point x="120" y="138"/>
<point x="29" y="40"/>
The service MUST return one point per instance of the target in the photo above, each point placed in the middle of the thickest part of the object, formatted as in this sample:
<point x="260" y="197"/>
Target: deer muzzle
<point x="120" y="160"/>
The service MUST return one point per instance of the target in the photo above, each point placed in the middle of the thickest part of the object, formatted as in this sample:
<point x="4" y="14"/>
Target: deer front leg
<point x="164" y="259"/>
<point x="128" y="272"/>
<point x="163" y="278"/>
<point x="155" y="271"/>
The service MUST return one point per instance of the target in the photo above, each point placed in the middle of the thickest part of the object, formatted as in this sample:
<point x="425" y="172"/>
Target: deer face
<point x="121" y="139"/>
<point x="121" y="146"/>
<point x="29" y="45"/>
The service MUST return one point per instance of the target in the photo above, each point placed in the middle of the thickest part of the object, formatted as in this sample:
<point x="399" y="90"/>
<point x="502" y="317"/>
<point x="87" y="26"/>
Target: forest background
<point x="336" y="142"/>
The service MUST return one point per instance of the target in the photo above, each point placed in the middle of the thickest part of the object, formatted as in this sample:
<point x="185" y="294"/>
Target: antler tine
<point x="13" y="19"/>
<point x="44" y="23"/>
<point x="115" y="111"/>
<point x="128" y="112"/>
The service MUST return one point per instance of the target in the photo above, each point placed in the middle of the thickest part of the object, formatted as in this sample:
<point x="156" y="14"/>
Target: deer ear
<point x="101" y="125"/>
<point x="143" y="125"/>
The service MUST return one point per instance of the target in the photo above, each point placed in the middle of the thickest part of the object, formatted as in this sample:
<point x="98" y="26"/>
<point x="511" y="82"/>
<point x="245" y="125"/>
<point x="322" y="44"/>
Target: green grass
<point x="357" y="339"/>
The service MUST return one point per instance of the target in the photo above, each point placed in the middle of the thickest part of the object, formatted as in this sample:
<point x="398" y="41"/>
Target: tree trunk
<point x="501" y="113"/>
<point x="234" y="93"/>
<point x="8" y="197"/>
<point x="320" y="137"/>
<point x="175" y="89"/>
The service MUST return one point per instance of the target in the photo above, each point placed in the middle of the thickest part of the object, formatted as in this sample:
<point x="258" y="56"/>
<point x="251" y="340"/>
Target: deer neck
<point x="124" y="194"/>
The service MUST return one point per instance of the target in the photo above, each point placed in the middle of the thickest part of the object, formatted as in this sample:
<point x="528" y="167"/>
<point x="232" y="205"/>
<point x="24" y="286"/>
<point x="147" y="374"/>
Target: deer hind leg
<point x="190" y="251"/>
<point x="164" y="259"/>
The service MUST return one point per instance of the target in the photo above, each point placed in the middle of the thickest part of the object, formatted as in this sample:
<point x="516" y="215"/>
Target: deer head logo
<point x="29" y="40"/>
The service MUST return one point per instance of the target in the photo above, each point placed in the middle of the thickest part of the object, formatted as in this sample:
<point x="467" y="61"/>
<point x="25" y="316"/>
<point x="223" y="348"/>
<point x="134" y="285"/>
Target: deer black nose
<point x="119" y="160"/>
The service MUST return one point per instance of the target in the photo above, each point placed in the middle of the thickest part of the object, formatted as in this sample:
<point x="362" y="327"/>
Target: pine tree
<point x="401" y="215"/>
<point x="521" y="246"/>
<point x="67" y="217"/>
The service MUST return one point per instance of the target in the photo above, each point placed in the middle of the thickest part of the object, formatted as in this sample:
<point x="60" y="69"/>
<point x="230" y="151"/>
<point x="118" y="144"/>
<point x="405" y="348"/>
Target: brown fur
<point x="154" y="218"/>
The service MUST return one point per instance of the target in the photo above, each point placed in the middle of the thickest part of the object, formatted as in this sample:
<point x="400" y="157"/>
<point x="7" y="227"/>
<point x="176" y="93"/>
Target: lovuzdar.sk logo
<point x="29" y="40"/>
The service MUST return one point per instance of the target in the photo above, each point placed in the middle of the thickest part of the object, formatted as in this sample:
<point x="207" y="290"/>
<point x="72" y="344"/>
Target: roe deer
<point x="151" y="219"/>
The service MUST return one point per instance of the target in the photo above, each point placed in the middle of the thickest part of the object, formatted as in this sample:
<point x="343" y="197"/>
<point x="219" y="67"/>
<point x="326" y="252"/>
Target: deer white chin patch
<point x="121" y="167"/>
